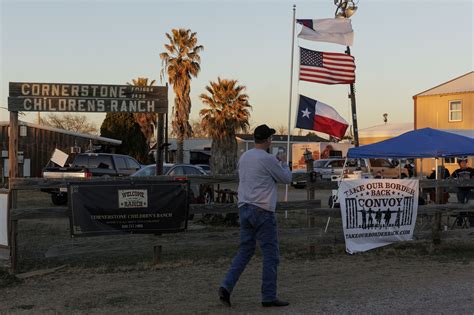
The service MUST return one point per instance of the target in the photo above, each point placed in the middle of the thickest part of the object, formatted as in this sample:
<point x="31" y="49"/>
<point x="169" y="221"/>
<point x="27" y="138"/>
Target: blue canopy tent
<point x="420" y="143"/>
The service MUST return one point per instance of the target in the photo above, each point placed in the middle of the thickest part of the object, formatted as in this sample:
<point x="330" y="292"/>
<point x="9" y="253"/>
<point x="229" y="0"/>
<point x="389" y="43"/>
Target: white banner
<point x="333" y="30"/>
<point x="377" y="212"/>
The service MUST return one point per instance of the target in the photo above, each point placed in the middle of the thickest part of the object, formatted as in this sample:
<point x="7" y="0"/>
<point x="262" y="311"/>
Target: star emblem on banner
<point x="306" y="113"/>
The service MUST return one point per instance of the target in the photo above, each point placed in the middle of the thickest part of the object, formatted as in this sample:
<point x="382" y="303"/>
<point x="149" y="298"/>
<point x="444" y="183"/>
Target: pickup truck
<point x="329" y="169"/>
<point x="87" y="165"/>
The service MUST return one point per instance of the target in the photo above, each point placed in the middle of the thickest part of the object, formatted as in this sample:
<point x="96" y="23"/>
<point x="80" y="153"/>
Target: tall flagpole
<point x="355" y="128"/>
<point x="291" y="94"/>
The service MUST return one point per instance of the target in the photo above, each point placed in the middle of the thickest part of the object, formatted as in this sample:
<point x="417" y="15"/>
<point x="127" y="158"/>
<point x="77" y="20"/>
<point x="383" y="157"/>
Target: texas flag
<point x="315" y="115"/>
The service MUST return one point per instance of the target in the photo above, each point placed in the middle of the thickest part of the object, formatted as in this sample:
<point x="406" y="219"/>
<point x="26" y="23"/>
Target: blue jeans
<point x="256" y="224"/>
<point x="464" y="195"/>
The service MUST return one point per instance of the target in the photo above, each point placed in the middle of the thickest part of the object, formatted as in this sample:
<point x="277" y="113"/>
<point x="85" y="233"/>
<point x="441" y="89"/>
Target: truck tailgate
<point x="57" y="175"/>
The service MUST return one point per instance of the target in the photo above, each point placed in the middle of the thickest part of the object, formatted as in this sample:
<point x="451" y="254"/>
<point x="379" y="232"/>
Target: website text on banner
<point x="377" y="212"/>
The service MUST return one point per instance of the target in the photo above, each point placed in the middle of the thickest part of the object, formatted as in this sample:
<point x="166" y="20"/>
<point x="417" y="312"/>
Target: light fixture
<point x="345" y="8"/>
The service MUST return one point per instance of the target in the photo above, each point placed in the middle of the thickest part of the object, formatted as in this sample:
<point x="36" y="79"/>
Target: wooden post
<point x="159" y="143"/>
<point x="310" y="196"/>
<point x="436" y="225"/>
<point x="167" y="158"/>
<point x="312" y="247"/>
<point x="12" y="196"/>
<point x="157" y="249"/>
<point x="435" y="228"/>
<point x="13" y="146"/>
<point x="309" y="182"/>
<point x="13" y="246"/>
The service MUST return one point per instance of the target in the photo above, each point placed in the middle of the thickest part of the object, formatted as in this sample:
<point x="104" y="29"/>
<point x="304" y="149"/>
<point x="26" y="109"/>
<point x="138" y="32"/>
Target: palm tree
<point x="181" y="61"/>
<point x="146" y="121"/>
<point x="228" y="113"/>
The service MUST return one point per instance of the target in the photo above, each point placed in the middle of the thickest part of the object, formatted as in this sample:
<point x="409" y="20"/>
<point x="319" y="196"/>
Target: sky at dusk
<point x="401" y="48"/>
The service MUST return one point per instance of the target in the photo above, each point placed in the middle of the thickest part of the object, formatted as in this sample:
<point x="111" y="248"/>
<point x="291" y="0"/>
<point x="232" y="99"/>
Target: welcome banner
<point x="377" y="212"/>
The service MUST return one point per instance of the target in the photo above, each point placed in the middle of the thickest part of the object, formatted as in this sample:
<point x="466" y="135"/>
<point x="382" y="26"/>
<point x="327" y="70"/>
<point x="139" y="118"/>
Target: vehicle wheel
<point x="59" y="199"/>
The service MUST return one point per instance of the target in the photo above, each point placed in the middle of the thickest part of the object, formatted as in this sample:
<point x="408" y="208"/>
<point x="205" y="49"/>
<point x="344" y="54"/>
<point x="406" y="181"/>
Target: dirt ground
<point x="114" y="274"/>
<point x="330" y="285"/>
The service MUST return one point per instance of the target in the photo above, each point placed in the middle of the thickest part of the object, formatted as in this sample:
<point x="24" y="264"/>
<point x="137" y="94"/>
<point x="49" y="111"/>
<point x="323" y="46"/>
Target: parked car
<point x="87" y="165"/>
<point x="387" y="168"/>
<point x="328" y="169"/>
<point x="150" y="170"/>
<point x="324" y="169"/>
<point x="200" y="193"/>
<point x="298" y="183"/>
<point x="205" y="167"/>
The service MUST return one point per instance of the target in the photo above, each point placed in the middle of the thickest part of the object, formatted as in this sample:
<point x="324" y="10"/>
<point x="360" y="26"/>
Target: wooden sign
<point x="67" y="97"/>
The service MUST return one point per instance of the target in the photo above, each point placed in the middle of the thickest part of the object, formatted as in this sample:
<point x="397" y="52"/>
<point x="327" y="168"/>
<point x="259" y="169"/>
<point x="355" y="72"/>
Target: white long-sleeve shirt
<point x="259" y="173"/>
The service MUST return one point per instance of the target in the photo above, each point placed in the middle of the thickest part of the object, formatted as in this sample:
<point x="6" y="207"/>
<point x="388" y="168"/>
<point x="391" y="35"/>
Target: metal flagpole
<point x="355" y="128"/>
<point x="291" y="94"/>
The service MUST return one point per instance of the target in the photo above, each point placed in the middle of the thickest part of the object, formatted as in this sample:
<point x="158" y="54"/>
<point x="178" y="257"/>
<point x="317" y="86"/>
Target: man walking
<point x="259" y="173"/>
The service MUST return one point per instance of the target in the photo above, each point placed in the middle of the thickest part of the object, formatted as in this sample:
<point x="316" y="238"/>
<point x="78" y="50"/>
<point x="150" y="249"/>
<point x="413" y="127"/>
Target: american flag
<point x="326" y="68"/>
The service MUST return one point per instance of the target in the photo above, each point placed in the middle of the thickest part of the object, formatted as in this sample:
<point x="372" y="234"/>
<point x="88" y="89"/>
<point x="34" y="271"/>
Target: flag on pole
<point x="326" y="68"/>
<point x="338" y="31"/>
<point x="315" y="115"/>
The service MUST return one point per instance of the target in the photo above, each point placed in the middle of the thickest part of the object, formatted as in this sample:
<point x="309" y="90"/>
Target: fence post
<point x="309" y="182"/>
<point x="13" y="147"/>
<point x="13" y="173"/>
<point x="436" y="225"/>
<point x="157" y="249"/>
<point x="13" y="246"/>
<point x="310" y="196"/>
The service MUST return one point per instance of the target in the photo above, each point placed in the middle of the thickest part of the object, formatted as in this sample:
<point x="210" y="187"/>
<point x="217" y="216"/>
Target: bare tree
<point x="198" y="130"/>
<point x="71" y="122"/>
<point x="252" y="126"/>
<point x="281" y="129"/>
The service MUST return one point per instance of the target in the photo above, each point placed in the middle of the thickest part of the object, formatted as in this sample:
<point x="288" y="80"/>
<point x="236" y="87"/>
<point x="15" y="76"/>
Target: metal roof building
<point x="36" y="143"/>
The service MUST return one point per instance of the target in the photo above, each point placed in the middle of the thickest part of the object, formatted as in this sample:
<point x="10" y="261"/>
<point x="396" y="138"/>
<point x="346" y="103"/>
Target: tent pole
<point x="421" y="168"/>
<point x="437" y="217"/>
<point x="400" y="169"/>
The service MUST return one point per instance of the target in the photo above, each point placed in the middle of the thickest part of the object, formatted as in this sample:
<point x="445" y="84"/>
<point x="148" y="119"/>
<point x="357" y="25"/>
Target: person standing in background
<point x="464" y="193"/>
<point x="463" y="172"/>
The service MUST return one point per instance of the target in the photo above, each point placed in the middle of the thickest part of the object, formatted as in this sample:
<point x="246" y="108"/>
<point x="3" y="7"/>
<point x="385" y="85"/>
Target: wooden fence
<point x="313" y="207"/>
